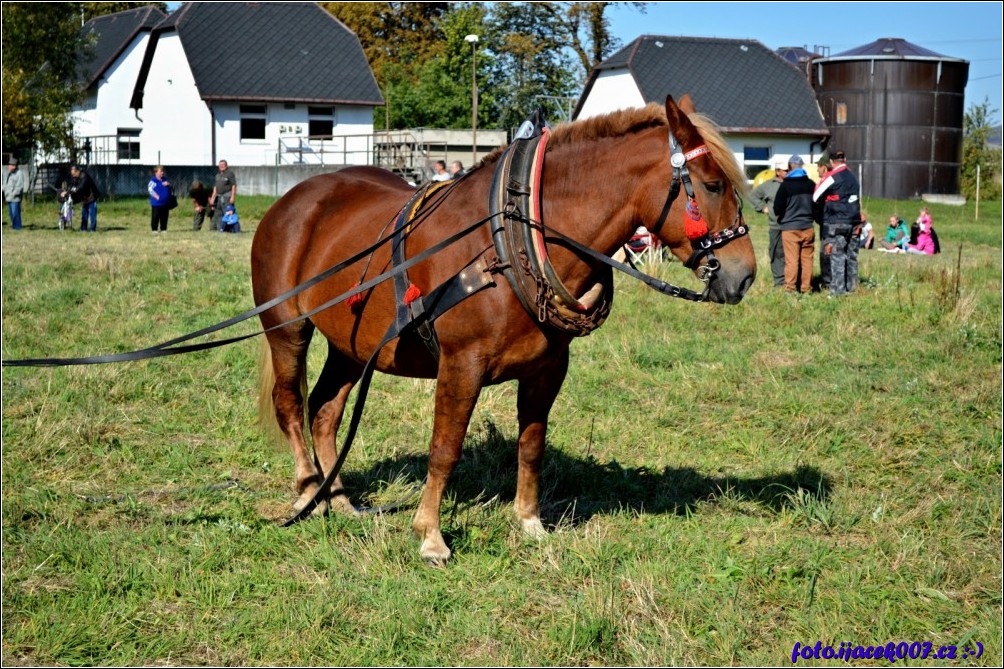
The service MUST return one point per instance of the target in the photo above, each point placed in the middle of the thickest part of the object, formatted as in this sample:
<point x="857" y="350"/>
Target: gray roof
<point x="269" y="51"/>
<point x="112" y="33"/>
<point x="797" y="55"/>
<point x="740" y="84"/>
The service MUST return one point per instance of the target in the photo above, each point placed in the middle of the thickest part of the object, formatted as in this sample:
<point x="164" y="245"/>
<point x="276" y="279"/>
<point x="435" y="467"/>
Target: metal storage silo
<point x="896" y="109"/>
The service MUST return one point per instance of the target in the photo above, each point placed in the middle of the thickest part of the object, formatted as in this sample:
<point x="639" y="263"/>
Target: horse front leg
<point x="535" y="397"/>
<point x="457" y="388"/>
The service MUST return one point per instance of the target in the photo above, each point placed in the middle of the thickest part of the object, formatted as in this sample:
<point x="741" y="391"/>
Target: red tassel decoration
<point x="412" y="294"/>
<point x="356" y="300"/>
<point x="694" y="225"/>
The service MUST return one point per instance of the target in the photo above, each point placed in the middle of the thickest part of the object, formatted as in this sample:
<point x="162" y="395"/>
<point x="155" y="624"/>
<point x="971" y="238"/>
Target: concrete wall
<point x="132" y="180"/>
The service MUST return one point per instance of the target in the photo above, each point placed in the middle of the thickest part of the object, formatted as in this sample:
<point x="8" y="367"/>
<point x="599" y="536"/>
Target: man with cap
<point x="13" y="189"/>
<point x="793" y="208"/>
<point x="837" y="200"/>
<point x="762" y="198"/>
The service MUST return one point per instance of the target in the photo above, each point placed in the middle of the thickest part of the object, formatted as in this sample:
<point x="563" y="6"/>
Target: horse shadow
<point x="573" y="488"/>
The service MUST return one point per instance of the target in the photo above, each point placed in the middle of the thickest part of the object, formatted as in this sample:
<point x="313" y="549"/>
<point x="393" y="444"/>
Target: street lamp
<point x="473" y="39"/>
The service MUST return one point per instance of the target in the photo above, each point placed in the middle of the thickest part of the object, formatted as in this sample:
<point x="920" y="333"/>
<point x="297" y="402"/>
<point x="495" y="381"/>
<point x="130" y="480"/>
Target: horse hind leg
<point x="288" y="348"/>
<point x="326" y="407"/>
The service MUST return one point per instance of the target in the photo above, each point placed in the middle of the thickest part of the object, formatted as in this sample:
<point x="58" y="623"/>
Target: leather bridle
<point x="703" y="242"/>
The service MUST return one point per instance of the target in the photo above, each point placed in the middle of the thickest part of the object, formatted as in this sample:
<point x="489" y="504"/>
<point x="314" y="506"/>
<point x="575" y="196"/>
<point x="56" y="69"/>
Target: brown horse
<point x="603" y="177"/>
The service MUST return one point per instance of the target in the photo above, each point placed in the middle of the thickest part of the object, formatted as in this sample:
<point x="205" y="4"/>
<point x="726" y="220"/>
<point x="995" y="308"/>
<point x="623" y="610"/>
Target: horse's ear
<point x="677" y="117"/>
<point x="687" y="104"/>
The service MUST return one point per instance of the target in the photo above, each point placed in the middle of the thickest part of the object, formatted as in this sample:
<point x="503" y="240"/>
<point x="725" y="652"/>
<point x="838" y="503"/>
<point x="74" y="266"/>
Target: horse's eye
<point x="713" y="186"/>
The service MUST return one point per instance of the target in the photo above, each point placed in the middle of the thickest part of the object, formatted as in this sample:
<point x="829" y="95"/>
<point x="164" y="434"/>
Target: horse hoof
<point x="533" y="528"/>
<point x="341" y="504"/>
<point x="435" y="554"/>
<point x="301" y="503"/>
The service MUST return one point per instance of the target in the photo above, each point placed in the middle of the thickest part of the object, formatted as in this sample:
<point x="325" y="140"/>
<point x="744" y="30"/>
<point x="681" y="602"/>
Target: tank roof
<point x="891" y="47"/>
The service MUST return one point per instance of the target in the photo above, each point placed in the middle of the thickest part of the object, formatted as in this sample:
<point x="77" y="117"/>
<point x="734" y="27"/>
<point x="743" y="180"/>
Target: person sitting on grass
<point x="231" y="222"/>
<point x="896" y="236"/>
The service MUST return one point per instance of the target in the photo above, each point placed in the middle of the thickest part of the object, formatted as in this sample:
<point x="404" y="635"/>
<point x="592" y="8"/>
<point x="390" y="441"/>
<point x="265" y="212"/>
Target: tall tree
<point x="585" y="29"/>
<point x="976" y="151"/>
<point x="531" y="64"/>
<point x="94" y="9"/>
<point x="41" y="54"/>
<point x="43" y="49"/>
<point x="393" y="33"/>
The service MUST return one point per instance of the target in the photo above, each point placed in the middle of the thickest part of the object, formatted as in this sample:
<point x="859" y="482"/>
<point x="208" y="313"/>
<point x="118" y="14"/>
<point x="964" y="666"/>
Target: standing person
<point x="838" y="203"/>
<point x="793" y="209"/>
<point x="84" y="191"/>
<point x="440" y="171"/>
<point x="159" y="189"/>
<point x="13" y="190"/>
<point x="224" y="193"/>
<point x="456" y="169"/>
<point x="200" y="200"/>
<point x="823" y="168"/>
<point x="762" y="198"/>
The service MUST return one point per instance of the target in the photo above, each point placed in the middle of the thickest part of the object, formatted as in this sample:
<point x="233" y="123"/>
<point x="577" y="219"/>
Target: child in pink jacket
<point x="925" y="242"/>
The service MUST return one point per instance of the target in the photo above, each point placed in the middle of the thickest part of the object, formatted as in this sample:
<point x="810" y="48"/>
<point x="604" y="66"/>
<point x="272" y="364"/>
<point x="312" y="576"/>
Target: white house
<point x="104" y="120"/>
<point x="764" y="106"/>
<point x="253" y="83"/>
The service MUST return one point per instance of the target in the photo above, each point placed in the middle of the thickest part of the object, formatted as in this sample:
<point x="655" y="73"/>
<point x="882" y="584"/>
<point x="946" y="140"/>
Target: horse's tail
<point x="266" y="406"/>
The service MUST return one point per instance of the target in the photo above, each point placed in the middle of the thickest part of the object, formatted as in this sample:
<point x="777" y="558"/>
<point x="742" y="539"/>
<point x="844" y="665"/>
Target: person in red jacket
<point x="837" y="201"/>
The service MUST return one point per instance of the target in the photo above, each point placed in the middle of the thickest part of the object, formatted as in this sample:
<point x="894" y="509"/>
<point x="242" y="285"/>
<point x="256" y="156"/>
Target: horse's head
<point x="704" y="224"/>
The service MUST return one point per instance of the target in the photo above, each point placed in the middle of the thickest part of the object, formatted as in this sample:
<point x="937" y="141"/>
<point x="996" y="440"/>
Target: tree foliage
<point x="976" y="131"/>
<point x="527" y="54"/>
<point x="393" y="34"/>
<point x="95" y="9"/>
<point x="43" y="49"/>
<point x="41" y="53"/>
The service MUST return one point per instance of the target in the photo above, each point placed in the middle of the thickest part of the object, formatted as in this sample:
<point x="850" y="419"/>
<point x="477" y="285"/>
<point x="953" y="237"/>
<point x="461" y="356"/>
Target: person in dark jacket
<point x="793" y="208"/>
<point x="84" y="191"/>
<point x="837" y="200"/>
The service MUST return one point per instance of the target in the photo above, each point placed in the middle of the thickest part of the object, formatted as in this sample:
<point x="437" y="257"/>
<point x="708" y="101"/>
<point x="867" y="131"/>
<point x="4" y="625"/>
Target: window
<point x="253" y="122"/>
<point x="841" y="113"/>
<point x="755" y="160"/>
<point x="128" y="144"/>
<point x="320" y="121"/>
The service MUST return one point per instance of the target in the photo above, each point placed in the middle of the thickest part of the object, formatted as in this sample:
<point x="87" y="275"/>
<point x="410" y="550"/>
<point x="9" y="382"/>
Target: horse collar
<point x="518" y="236"/>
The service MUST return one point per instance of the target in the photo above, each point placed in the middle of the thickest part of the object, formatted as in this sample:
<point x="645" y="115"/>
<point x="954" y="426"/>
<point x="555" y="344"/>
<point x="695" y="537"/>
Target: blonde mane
<point x="626" y="121"/>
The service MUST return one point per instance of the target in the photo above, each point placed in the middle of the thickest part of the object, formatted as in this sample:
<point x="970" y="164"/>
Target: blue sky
<point x="968" y="30"/>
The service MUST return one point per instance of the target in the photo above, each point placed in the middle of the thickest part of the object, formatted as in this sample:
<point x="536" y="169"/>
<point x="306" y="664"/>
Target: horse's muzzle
<point x="729" y="287"/>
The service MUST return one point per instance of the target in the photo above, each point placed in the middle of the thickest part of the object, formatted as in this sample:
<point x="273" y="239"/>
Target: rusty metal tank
<point x="896" y="110"/>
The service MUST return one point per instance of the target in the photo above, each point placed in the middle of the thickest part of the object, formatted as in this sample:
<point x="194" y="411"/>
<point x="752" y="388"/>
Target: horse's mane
<point x="633" y="120"/>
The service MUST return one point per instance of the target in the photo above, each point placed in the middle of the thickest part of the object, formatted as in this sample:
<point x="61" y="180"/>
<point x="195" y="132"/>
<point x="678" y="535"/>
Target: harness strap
<point x="408" y="297"/>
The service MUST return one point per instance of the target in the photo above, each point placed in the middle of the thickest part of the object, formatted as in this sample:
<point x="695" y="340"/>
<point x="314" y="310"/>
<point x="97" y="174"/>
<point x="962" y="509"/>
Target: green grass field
<point x="721" y="482"/>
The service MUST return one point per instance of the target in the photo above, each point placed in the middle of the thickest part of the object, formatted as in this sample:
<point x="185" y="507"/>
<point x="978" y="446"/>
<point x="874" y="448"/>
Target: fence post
<point x="977" y="192"/>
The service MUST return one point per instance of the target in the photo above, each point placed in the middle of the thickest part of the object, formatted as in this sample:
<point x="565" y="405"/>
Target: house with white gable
<point x="764" y="105"/>
<point x="108" y="129"/>
<point x="252" y="83"/>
